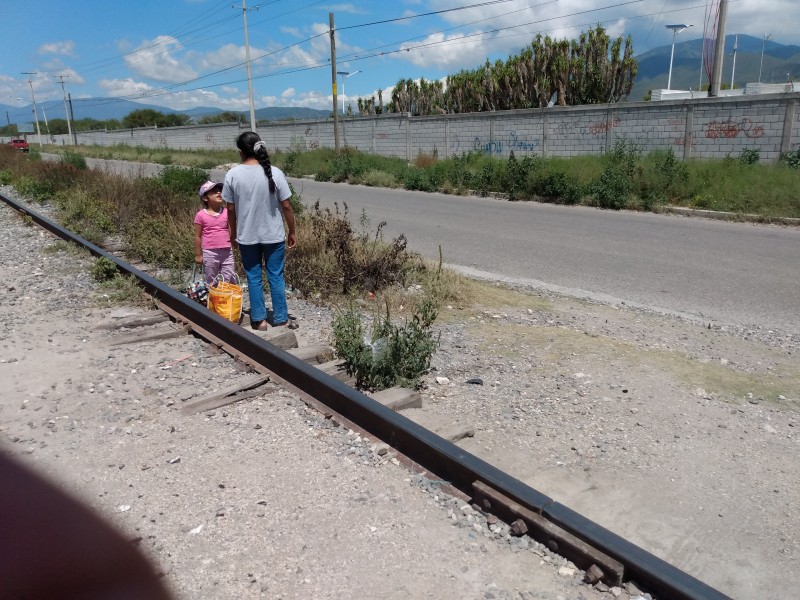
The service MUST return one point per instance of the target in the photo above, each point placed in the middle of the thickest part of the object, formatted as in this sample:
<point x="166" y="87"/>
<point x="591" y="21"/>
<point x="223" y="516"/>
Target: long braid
<point x="251" y="146"/>
<point x="260" y="149"/>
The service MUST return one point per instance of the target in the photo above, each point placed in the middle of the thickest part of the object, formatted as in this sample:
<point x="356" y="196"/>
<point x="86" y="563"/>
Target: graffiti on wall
<point x="576" y="127"/>
<point x="731" y="129"/>
<point x="510" y="143"/>
<point x="601" y="127"/>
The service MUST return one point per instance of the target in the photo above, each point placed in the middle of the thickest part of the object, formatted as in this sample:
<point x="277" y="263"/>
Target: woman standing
<point x="258" y="195"/>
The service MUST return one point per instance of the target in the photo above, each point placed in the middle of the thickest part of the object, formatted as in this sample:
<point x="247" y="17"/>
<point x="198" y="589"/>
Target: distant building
<point x="750" y="89"/>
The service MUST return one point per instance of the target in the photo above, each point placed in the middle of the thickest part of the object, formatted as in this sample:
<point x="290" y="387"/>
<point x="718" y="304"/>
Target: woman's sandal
<point x="290" y="324"/>
<point x="260" y="326"/>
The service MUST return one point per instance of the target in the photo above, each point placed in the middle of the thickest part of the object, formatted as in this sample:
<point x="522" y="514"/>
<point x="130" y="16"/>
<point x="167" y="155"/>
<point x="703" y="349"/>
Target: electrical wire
<point x="357" y="57"/>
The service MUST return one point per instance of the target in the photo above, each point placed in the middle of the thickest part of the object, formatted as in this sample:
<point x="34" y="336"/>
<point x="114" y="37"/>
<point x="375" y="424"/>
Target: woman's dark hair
<point x="247" y="143"/>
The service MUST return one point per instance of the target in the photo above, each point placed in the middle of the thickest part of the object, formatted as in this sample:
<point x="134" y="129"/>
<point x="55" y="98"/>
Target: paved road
<point x="727" y="273"/>
<point x="738" y="273"/>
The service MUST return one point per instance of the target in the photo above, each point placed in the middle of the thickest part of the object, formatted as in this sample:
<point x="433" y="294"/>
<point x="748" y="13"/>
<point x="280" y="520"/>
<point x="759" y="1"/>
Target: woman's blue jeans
<point x="273" y="257"/>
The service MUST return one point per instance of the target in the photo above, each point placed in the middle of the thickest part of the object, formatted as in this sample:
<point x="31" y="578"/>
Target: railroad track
<point x="317" y="379"/>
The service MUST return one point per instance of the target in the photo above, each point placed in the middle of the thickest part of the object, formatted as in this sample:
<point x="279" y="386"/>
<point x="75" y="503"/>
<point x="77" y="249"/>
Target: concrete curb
<point x="728" y="216"/>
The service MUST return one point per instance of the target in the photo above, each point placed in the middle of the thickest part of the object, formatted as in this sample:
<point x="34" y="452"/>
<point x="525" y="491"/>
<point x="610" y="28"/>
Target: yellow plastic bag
<point x="225" y="299"/>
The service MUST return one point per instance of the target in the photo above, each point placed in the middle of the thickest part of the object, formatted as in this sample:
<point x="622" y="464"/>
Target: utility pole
<point x="719" y="50"/>
<point x="66" y="114"/>
<point x="46" y="126"/>
<point x="35" y="116"/>
<point x="735" y="48"/>
<point x="332" y="31"/>
<point x="247" y="64"/>
<point x="72" y="116"/>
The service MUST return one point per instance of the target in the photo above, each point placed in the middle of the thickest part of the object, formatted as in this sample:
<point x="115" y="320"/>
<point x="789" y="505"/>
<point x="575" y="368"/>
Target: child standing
<point x="212" y="235"/>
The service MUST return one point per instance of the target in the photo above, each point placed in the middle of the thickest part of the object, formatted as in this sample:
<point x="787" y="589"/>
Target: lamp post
<point x="344" y="75"/>
<point x="676" y="29"/>
<point x="767" y="36"/>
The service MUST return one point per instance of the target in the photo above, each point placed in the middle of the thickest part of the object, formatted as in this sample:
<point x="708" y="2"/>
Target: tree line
<point x="589" y="70"/>
<point x="146" y="117"/>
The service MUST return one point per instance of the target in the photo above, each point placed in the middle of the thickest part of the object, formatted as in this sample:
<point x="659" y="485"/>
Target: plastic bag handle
<point x="194" y="272"/>
<point x="219" y="279"/>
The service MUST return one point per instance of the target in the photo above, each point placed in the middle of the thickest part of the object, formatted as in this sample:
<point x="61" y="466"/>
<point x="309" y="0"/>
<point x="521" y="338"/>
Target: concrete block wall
<point x="719" y="131"/>
<point x="699" y="127"/>
<point x="391" y="135"/>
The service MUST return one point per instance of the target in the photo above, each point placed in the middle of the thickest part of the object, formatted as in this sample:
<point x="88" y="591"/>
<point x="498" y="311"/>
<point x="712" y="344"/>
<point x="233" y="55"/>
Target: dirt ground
<point x="677" y="436"/>
<point x="680" y="437"/>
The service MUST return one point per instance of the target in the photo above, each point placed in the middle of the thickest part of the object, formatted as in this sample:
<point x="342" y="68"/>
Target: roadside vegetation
<point x="336" y="262"/>
<point x="624" y="178"/>
<point x="202" y="159"/>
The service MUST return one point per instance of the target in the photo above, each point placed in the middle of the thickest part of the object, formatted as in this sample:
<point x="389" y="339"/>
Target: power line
<point x="358" y="57"/>
<point x="427" y="14"/>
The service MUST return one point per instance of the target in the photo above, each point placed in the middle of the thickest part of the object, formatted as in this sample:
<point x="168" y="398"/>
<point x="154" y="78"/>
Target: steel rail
<point x="439" y="456"/>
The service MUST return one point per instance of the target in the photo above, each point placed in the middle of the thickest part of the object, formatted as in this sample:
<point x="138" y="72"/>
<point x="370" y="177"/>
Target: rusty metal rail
<point x="562" y="526"/>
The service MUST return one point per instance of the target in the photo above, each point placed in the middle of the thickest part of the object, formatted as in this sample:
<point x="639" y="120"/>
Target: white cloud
<point x="154" y="59"/>
<point x="288" y="93"/>
<point x="66" y="47"/>
<point x="124" y="87"/>
<point x="224" y="57"/>
<point x="314" y="100"/>
<point x="444" y="52"/>
<point x="293" y="31"/>
<point x="346" y="8"/>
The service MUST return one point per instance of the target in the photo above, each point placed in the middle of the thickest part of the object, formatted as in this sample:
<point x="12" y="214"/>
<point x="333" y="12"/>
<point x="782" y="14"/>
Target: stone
<point x="566" y="572"/>
<point x="442" y="380"/>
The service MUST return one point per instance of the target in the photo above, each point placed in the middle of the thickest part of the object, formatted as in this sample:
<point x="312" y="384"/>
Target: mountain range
<point x="780" y="61"/>
<point x="104" y="109"/>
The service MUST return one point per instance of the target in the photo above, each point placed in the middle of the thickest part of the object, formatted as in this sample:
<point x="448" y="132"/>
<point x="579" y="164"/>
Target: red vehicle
<point x="19" y="144"/>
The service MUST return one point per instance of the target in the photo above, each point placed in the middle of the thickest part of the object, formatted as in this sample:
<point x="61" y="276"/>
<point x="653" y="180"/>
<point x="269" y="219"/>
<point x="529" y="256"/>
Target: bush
<point x="391" y="355"/>
<point x="346" y="165"/>
<point x="377" y="178"/>
<point x="557" y="186"/>
<point x="104" y="269"/>
<point x="182" y="180"/>
<point x="664" y="180"/>
<point x="614" y="187"/>
<point x="750" y="156"/>
<point x="331" y="259"/>
<point x="297" y="204"/>
<point x="87" y="216"/>
<point x="37" y="189"/>
<point x="6" y="177"/>
<point x="516" y="177"/>
<point x="74" y="159"/>
<point x="792" y="159"/>
<point x="418" y="179"/>
<point x="324" y="174"/>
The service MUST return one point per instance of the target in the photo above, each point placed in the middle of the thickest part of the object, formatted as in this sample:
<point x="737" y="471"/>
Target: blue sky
<point x="188" y="53"/>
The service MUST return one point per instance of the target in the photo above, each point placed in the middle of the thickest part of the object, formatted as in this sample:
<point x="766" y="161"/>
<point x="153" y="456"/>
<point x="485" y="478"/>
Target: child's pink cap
<point x="207" y="187"/>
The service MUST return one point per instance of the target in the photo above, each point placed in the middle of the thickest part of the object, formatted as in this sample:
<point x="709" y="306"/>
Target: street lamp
<point x="344" y="75"/>
<point x="676" y="29"/>
<point x="767" y="36"/>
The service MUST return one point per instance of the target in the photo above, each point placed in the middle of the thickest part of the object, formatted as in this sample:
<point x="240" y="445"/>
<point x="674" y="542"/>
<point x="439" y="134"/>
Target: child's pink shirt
<point x="214" y="229"/>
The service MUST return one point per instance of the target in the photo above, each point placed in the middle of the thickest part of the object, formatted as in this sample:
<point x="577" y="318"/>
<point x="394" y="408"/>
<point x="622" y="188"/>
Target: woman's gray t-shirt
<point x="259" y="218"/>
